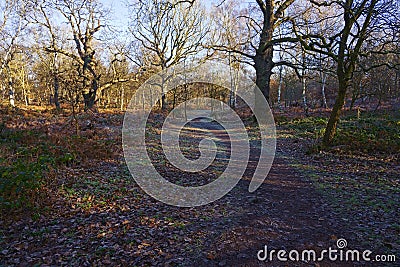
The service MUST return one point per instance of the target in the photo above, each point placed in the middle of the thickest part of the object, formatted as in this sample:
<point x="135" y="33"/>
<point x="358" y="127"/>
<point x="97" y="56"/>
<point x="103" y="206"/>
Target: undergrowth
<point x="29" y="159"/>
<point x="371" y="133"/>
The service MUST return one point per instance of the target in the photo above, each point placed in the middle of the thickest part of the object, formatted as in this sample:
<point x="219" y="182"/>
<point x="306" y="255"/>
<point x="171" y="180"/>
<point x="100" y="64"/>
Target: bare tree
<point x="227" y="30"/>
<point x="361" y="20"/>
<point x="12" y="23"/>
<point x="262" y="21"/>
<point x="168" y="32"/>
<point x="85" y="20"/>
<point x="55" y="38"/>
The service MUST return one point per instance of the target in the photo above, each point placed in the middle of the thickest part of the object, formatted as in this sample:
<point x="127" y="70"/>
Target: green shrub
<point x="27" y="156"/>
<point x="19" y="182"/>
<point x="369" y="134"/>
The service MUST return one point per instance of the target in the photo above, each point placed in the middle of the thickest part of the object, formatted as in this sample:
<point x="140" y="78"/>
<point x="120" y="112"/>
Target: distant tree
<point x="169" y="33"/>
<point x="227" y="29"/>
<point x="12" y="24"/>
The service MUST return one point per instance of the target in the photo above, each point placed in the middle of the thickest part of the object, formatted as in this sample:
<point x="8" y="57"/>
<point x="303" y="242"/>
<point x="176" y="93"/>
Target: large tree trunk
<point x="263" y="65"/>
<point x="89" y="97"/>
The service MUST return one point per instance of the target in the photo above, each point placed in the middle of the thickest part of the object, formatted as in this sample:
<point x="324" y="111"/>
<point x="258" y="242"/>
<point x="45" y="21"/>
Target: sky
<point x="120" y="15"/>
<point x="119" y="12"/>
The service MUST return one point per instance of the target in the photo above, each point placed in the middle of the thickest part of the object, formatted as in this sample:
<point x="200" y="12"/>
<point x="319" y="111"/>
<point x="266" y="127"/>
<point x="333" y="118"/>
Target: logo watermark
<point x="340" y="253"/>
<point x="151" y="93"/>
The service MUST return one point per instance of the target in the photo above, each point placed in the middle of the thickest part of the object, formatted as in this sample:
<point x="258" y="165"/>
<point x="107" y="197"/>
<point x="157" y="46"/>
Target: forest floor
<point x="85" y="209"/>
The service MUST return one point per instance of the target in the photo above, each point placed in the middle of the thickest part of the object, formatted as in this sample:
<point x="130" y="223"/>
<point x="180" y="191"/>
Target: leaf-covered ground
<point x="91" y="212"/>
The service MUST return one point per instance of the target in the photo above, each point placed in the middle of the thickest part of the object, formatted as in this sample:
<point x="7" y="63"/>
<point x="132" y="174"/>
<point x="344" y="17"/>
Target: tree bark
<point x="331" y="127"/>
<point x="56" y="89"/>
<point x="263" y="65"/>
<point x="88" y="99"/>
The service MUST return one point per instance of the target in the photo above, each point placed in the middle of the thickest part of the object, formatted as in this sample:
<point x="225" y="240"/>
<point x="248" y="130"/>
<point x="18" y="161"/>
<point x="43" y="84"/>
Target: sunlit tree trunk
<point x="122" y="97"/>
<point x="11" y="93"/>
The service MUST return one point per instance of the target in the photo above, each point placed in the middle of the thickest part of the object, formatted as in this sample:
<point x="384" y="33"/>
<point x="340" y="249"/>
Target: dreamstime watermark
<point x="151" y="92"/>
<point x="332" y="254"/>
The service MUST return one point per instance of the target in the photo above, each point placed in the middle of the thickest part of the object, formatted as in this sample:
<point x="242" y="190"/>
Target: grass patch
<point x="371" y="133"/>
<point x="355" y="175"/>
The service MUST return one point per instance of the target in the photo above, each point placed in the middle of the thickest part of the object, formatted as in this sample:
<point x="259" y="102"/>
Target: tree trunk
<point x="233" y="79"/>
<point x="89" y="97"/>
<point x="354" y="97"/>
<point x="24" y="92"/>
<point x="280" y="86"/>
<point x="236" y="83"/>
<point x="330" y="130"/>
<point x="304" y="92"/>
<point x="324" y="103"/>
<point x="163" y="100"/>
<point x="186" y="96"/>
<point x="163" y="93"/>
<point x="11" y="93"/>
<point x="122" y="97"/>
<point x="108" y="103"/>
<point x="26" y="100"/>
<point x="174" y="100"/>
<point x="263" y="65"/>
<point x="56" y="88"/>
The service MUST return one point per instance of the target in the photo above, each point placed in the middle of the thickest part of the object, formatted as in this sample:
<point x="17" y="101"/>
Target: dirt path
<point x="124" y="226"/>
<point x="285" y="213"/>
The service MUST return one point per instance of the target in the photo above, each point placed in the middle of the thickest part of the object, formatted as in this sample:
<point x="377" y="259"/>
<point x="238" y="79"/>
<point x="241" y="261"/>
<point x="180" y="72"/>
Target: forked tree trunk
<point x="89" y="97"/>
